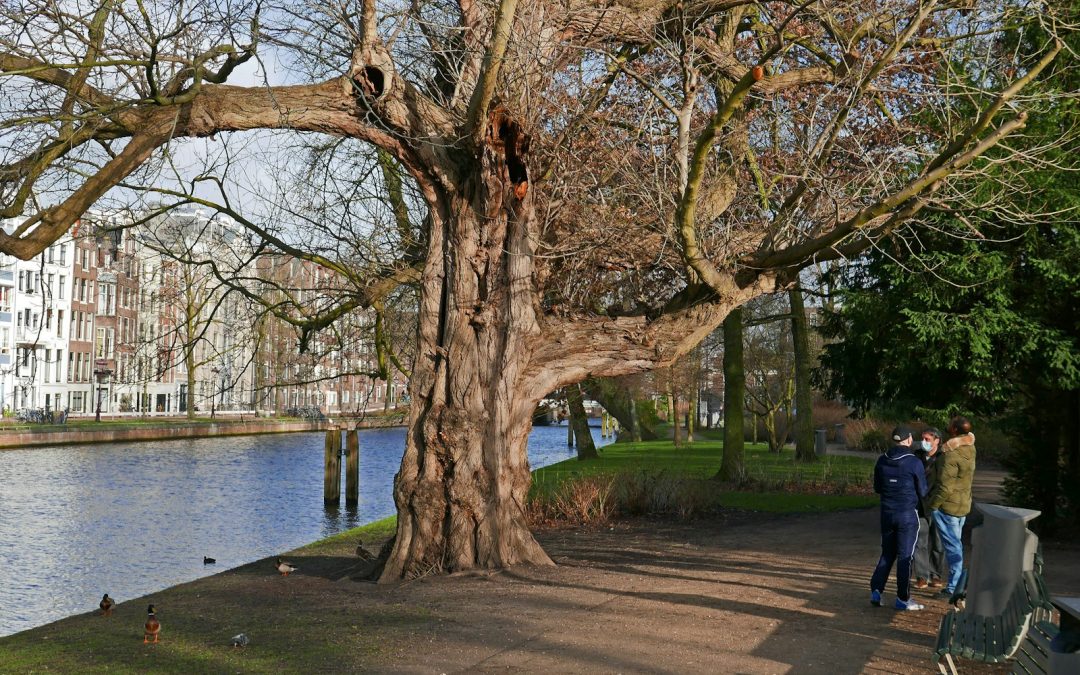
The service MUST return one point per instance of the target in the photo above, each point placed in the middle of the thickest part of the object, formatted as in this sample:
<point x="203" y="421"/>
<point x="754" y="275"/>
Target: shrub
<point x="875" y="440"/>
<point x="869" y="433"/>
<point x="646" y="413"/>
<point x="582" y="500"/>
<point x="827" y="414"/>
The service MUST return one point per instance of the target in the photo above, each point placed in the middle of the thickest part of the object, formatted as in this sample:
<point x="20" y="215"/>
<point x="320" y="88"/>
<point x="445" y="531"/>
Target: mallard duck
<point x="285" y="567"/>
<point x="362" y="552"/>
<point x="106" y="605"/>
<point x="153" y="626"/>
<point x="240" y="640"/>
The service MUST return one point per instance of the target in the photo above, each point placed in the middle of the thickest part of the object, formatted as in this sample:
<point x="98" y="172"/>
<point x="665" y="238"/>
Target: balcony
<point x="29" y="336"/>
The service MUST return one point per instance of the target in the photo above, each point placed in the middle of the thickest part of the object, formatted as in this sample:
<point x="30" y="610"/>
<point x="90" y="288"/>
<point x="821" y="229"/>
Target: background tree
<point x="769" y="366"/>
<point x="985" y="325"/>
<point x="804" y="393"/>
<point x="579" y="421"/>
<point x="601" y="184"/>
<point x="621" y="397"/>
<point x="731" y="465"/>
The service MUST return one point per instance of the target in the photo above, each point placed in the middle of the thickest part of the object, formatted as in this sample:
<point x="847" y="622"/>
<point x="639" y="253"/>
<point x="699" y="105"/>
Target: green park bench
<point x="1033" y="655"/>
<point x="992" y="639"/>
<point x="1039" y="655"/>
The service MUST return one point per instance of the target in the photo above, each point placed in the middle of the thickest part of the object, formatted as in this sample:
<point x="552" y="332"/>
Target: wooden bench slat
<point x="998" y="637"/>
<point x="945" y="633"/>
<point x="979" y="643"/>
<point x="968" y="645"/>
<point x="1025" y="665"/>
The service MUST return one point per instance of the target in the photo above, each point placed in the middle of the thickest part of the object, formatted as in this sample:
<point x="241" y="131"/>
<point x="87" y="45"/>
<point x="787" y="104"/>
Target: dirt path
<point x="745" y="594"/>
<point x="779" y="595"/>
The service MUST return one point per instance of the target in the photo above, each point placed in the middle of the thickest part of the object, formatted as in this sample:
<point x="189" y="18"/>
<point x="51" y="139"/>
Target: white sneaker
<point x="909" y="606"/>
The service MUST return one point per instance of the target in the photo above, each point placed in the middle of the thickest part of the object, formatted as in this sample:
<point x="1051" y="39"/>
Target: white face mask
<point x="926" y="445"/>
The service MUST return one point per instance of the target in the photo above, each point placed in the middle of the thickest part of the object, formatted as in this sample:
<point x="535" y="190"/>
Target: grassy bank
<point x="657" y="477"/>
<point x="296" y="623"/>
<point x="322" y="620"/>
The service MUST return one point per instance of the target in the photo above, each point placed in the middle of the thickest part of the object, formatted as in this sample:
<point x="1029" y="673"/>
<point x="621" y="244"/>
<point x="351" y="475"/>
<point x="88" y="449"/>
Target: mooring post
<point x="332" y="472"/>
<point x="352" y="467"/>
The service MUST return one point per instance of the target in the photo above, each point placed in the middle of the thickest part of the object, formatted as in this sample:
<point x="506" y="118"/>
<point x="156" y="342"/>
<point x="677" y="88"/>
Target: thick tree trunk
<point x="464" y="477"/>
<point x="804" y="396"/>
<point x="586" y="449"/>
<point x="731" y="466"/>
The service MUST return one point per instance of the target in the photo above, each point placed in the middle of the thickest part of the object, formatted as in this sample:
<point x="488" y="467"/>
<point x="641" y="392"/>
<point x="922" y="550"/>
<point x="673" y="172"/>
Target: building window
<point x="103" y="345"/>
<point x="60" y="289"/>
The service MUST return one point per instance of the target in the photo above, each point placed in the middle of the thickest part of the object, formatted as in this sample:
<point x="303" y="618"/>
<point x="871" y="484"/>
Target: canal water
<point x="129" y="519"/>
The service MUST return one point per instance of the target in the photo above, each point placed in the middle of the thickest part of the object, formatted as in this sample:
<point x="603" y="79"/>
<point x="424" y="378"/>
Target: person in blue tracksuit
<point x="901" y="481"/>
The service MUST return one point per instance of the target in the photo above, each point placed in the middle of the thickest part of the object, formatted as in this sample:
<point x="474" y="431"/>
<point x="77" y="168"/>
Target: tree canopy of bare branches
<point x="579" y="188"/>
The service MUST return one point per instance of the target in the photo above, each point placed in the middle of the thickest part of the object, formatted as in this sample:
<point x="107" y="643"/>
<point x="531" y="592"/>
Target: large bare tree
<point x="600" y="183"/>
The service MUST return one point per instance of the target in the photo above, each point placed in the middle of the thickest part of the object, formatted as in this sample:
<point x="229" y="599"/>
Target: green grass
<point x="702" y="460"/>
<point x="306" y="627"/>
<point x="773" y="477"/>
<point x="372" y="533"/>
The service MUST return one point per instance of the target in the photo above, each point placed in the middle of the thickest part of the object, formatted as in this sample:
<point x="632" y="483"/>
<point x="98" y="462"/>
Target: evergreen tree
<point x="982" y="315"/>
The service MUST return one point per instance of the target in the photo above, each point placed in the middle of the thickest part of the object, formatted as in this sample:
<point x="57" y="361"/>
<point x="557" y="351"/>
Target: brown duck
<point x="153" y="626"/>
<point x="106" y="605"/>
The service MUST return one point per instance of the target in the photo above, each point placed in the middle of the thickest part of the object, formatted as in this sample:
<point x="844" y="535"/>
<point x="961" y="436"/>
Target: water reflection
<point x="132" y="518"/>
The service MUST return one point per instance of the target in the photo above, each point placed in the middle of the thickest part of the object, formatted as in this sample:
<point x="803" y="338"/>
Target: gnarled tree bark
<point x="461" y="490"/>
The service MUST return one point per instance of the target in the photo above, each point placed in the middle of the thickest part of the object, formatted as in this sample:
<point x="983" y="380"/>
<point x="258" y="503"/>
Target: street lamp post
<point x="213" y="391"/>
<point x="102" y="371"/>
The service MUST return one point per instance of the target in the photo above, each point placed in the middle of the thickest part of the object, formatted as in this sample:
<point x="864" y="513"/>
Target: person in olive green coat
<point x="950" y="500"/>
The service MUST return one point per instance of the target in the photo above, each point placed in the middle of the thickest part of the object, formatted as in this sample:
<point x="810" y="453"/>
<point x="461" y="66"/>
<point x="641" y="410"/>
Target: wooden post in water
<point x="332" y="469"/>
<point x="569" y="432"/>
<point x="352" y="467"/>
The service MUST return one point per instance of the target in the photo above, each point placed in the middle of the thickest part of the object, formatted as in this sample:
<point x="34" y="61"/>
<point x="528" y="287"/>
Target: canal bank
<point x="119" y="431"/>
<point x="132" y="518"/>
<point x="753" y="593"/>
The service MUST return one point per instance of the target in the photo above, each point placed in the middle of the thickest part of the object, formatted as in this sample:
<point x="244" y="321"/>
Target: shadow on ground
<point x="744" y="594"/>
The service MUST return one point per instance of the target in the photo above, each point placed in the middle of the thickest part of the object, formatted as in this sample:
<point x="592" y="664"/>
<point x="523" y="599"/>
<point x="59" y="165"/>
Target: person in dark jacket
<point x="900" y="479"/>
<point x="929" y="561"/>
